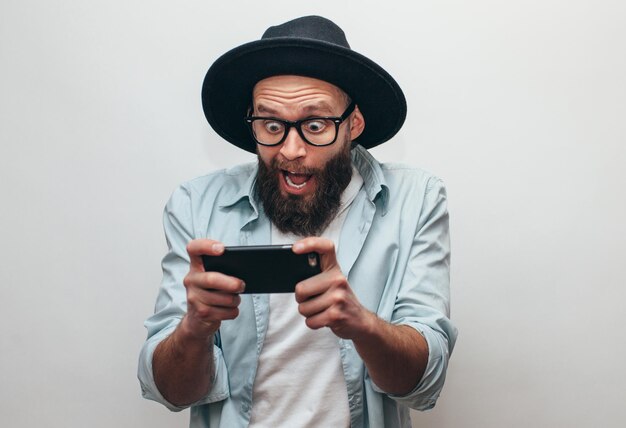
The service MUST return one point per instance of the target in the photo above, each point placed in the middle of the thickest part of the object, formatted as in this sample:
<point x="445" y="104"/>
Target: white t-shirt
<point x="299" y="380"/>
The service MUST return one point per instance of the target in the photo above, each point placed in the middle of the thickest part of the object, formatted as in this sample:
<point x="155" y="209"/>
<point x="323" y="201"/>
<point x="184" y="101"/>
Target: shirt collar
<point x="374" y="180"/>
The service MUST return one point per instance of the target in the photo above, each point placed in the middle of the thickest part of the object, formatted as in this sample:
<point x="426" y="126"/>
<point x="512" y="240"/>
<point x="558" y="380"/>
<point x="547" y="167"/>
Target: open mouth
<point x="296" y="180"/>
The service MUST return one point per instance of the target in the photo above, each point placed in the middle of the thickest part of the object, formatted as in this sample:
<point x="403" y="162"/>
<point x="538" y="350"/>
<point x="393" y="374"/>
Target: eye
<point x="273" y="127"/>
<point x="315" y="126"/>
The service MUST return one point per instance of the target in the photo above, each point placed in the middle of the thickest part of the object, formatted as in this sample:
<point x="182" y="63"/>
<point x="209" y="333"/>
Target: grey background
<point x="518" y="105"/>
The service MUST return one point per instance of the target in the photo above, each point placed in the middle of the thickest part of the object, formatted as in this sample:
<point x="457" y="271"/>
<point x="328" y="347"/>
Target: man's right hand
<point x="183" y="363"/>
<point x="211" y="296"/>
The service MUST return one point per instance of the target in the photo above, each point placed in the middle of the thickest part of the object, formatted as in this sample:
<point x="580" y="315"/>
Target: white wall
<point x="519" y="105"/>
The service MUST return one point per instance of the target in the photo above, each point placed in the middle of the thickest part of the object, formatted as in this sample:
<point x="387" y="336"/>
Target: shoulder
<point x="401" y="176"/>
<point x="232" y="179"/>
<point x="410" y="199"/>
<point x="224" y="182"/>
<point x="412" y="189"/>
<point x="219" y="186"/>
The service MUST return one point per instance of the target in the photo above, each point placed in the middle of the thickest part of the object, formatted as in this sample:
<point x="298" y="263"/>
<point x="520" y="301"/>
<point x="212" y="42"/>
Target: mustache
<point x="293" y="166"/>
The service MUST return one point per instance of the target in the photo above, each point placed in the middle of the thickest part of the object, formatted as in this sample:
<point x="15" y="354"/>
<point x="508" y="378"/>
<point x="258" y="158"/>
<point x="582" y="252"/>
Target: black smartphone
<point x="265" y="268"/>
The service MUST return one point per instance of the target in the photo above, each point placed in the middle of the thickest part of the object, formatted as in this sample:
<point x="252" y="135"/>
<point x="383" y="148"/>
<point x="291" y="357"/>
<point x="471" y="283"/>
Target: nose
<point x="294" y="146"/>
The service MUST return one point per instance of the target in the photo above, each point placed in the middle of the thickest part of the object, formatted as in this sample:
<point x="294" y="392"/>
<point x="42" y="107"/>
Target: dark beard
<point x="299" y="215"/>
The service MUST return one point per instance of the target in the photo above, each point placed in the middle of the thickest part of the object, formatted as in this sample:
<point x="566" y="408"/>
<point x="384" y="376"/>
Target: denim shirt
<point x="394" y="249"/>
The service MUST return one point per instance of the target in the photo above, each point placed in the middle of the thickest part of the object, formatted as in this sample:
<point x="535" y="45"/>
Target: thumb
<point x="200" y="247"/>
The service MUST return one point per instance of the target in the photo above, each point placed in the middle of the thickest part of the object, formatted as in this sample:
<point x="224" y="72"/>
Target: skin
<point x="395" y="355"/>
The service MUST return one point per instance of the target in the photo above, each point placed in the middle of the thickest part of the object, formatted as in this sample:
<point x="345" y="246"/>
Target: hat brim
<point x="228" y="85"/>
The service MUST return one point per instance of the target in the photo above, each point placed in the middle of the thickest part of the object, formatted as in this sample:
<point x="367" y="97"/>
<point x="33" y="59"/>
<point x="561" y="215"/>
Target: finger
<point x="324" y="247"/>
<point x="313" y="306"/>
<point x="320" y="245"/>
<point x="320" y="284"/>
<point x="199" y="247"/>
<point x="213" y="298"/>
<point x="317" y="321"/>
<point x="338" y="297"/>
<point x="214" y="281"/>
<point x="333" y="317"/>
<point x="227" y="313"/>
<point x="215" y="313"/>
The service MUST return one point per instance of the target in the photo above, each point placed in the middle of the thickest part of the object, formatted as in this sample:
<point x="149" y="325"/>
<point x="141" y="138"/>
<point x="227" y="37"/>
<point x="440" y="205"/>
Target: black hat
<point x="310" y="46"/>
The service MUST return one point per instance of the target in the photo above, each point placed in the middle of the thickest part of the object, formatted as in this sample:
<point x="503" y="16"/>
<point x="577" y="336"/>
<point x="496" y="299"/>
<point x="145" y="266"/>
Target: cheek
<point x="321" y="155"/>
<point x="266" y="154"/>
<point x="334" y="150"/>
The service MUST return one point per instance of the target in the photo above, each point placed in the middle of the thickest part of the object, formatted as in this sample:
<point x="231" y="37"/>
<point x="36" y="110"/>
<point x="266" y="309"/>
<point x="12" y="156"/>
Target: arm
<point x="183" y="367"/>
<point x="395" y="355"/>
<point x="183" y="362"/>
<point x="413" y="349"/>
<point x="389" y="352"/>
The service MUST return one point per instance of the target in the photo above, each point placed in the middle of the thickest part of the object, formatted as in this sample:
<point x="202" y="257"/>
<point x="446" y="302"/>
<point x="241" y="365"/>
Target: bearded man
<point x="355" y="345"/>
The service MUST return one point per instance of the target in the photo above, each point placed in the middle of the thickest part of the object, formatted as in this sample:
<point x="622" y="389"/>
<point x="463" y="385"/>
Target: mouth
<point x="296" y="181"/>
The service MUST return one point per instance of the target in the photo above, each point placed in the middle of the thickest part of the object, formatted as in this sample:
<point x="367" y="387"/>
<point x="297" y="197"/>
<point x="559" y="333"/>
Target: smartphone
<point x="265" y="268"/>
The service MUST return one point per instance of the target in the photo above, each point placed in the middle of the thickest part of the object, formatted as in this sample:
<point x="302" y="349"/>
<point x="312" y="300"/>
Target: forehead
<point x="286" y="90"/>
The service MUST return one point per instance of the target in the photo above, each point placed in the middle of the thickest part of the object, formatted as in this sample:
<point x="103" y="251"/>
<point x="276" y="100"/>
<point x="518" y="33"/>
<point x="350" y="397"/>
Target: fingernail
<point x="218" y="248"/>
<point x="243" y="286"/>
<point x="298" y="246"/>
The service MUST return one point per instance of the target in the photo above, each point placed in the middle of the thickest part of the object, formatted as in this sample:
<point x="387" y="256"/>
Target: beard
<point x="305" y="215"/>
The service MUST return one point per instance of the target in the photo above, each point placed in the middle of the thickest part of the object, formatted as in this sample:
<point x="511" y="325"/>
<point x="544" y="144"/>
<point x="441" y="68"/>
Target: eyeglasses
<point x="316" y="131"/>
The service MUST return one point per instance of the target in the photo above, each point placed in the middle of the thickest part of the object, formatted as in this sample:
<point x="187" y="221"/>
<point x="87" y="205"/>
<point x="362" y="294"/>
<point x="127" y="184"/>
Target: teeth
<point x="292" y="184"/>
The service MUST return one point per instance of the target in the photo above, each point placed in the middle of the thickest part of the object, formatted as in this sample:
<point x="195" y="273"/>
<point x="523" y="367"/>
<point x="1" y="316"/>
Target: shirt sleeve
<point x="423" y="300"/>
<point x="171" y="304"/>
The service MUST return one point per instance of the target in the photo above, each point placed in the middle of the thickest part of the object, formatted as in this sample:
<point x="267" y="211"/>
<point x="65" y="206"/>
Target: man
<point x="356" y="345"/>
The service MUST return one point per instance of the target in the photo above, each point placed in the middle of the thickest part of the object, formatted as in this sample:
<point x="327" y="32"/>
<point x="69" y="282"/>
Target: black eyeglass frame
<point x="298" y="124"/>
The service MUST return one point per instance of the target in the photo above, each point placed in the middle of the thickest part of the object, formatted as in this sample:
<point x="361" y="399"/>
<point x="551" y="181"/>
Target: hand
<point x="211" y="296"/>
<point x="326" y="300"/>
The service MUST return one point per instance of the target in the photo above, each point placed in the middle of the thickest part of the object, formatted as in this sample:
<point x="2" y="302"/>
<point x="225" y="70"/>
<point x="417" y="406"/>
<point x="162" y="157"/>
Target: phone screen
<point x="265" y="268"/>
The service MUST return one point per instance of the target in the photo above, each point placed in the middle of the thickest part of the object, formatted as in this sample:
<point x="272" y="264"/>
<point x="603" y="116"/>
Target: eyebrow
<point x="321" y="108"/>
<point x="261" y="108"/>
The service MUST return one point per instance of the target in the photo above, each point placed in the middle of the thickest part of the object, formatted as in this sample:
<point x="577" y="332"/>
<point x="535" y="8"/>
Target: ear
<point x="357" y="123"/>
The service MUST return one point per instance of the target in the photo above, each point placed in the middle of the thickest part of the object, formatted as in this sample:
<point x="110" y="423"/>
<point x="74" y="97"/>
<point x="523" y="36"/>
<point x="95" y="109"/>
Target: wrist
<point x="189" y="332"/>
<point x="369" y="328"/>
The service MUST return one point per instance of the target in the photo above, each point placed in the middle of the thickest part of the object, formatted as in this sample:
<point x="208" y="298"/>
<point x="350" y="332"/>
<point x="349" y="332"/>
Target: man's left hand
<point x="326" y="299"/>
<point x="395" y="355"/>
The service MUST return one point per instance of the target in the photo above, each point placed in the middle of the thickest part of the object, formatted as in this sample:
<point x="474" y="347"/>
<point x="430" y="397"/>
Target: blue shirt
<point x="394" y="249"/>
